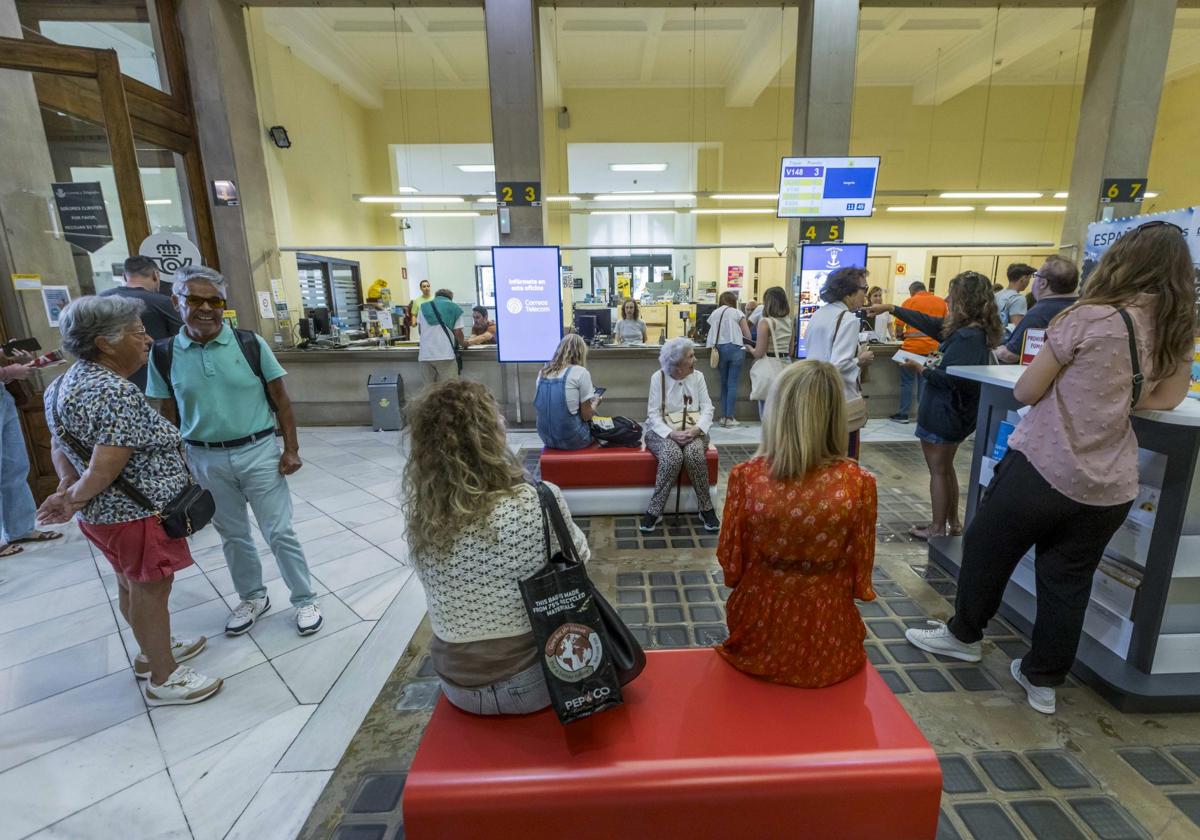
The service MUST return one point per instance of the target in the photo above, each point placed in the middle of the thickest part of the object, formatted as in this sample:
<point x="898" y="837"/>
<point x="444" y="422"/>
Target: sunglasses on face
<point x="195" y="302"/>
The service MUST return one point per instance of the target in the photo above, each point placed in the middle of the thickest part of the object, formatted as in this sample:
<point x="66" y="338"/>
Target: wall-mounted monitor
<point x="816" y="187"/>
<point x="528" y="303"/>
<point x="817" y="262"/>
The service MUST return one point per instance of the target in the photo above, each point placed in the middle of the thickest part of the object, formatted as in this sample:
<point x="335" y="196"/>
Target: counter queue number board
<point x="827" y="186"/>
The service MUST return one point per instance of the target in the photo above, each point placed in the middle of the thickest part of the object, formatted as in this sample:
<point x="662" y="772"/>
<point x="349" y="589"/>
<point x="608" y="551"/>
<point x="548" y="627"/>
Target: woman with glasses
<point x="946" y="415"/>
<point x="833" y="337"/>
<point x="1071" y="471"/>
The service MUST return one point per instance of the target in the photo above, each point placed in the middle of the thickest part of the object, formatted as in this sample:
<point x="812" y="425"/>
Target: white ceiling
<point x="939" y="52"/>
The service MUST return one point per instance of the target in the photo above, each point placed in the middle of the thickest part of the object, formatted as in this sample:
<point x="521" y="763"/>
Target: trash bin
<point x="386" y="394"/>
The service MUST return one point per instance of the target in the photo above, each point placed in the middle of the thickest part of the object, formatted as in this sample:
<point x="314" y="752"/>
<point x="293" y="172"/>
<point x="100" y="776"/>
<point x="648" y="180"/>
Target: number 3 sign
<point x="519" y="194"/>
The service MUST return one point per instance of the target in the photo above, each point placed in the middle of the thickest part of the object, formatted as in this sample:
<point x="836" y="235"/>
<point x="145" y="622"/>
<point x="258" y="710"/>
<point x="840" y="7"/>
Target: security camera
<point x="405" y="224"/>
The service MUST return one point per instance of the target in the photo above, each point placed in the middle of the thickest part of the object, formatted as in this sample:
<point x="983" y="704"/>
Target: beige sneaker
<point x="181" y="649"/>
<point x="182" y="688"/>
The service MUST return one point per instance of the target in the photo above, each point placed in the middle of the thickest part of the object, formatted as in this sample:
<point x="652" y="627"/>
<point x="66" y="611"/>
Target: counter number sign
<point x="1123" y="190"/>
<point x="822" y="230"/>
<point x="519" y="194"/>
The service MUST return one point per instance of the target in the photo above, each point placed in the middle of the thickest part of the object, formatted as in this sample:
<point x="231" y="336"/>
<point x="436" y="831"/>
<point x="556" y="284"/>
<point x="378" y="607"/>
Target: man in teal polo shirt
<point x="229" y="430"/>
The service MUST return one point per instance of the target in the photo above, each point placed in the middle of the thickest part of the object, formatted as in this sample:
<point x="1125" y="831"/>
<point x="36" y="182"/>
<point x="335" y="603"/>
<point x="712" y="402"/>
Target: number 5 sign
<point x="519" y="194"/>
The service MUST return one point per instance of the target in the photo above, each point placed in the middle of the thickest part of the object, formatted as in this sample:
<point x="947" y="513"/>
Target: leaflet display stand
<point x="1141" y="642"/>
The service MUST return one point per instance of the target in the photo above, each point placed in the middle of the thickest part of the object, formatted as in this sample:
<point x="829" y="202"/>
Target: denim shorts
<point x="520" y="694"/>
<point x="931" y="437"/>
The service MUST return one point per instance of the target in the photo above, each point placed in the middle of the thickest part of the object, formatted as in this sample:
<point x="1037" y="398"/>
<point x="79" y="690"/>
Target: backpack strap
<point x="252" y="350"/>
<point x="162" y="354"/>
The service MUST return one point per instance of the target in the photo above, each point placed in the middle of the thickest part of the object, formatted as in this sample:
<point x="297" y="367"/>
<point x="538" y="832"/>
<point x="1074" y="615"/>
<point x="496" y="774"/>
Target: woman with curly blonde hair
<point x="474" y="527"/>
<point x="946" y="416"/>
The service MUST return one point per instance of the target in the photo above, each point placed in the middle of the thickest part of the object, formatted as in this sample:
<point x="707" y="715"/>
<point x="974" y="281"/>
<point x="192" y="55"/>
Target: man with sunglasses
<point x="224" y="385"/>
<point x="1054" y="286"/>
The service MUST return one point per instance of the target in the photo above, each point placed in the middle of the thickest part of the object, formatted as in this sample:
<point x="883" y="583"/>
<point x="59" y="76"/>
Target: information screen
<point x="818" y="261"/>
<point x="528" y="303"/>
<point x="816" y="187"/>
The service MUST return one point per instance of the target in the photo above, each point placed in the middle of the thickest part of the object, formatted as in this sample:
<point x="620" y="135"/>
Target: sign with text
<point x="1122" y="190"/>
<point x="528" y="303"/>
<point x="822" y="230"/>
<point x="827" y="187"/>
<point x="82" y="213"/>
<point x="1101" y="235"/>
<point x="519" y="194"/>
<point x="1031" y="345"/>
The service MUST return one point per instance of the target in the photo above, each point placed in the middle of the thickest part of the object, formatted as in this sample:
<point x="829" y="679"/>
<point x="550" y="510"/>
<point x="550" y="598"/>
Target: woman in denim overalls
<point x="563" y="381"/>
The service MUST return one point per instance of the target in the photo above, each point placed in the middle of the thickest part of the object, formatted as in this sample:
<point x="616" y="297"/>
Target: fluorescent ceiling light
<point x="476" y="167"/>
<point x="429" y="199"/>
<point x="437" y="214"/>
<point x="1151" y="195"/>
<point x="1060" y="195"/>
<point x="158" y="201"/>
<point x="637" y="167"/>
<point x="991" y="195"/>
<point x="732" y="211"/>
<point x="646" y="197"/>
<point x="931" y="208"/>
<point x="562" y="198"/>
<point x="632" y="213"/>
<point x="745" y="196"/>
<point x="487" y="199"/>
<point x="396" y="199"/>
<point x="1026" y="208"/>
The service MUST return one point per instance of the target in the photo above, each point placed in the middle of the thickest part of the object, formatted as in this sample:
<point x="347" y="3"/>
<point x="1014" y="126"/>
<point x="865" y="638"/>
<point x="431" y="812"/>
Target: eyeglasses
<point x="864" y="288"/>
<point x="195" y="301"/>
<point x="140" y="331"/>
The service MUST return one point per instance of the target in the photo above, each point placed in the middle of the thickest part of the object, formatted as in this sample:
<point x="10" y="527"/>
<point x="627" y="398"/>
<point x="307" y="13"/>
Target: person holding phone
<point x="565" y="400"/>
<point x="18" y="511"/>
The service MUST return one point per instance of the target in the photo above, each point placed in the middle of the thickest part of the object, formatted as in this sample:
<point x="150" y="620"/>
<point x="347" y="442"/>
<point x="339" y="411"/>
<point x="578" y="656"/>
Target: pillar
<point x="230" y="137"/>
<point x="1119" y="109"/>
<point x="515" y="79"/>
<point x="826" y="52"/>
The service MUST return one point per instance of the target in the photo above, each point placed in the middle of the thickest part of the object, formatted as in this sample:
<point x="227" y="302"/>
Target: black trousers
<point x="1021" y="510"/>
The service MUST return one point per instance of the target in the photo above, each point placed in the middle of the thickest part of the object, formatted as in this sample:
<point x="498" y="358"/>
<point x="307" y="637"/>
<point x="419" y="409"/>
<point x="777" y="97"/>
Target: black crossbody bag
<point x="187" y="513"/>
<point x="1138" y="378"/>
<point x="458" y="359"/>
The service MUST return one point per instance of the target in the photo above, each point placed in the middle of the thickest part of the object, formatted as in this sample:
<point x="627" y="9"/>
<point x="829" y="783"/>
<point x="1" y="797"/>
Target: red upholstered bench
<point x="614" y="481"/>
<point x="698" y="751"/>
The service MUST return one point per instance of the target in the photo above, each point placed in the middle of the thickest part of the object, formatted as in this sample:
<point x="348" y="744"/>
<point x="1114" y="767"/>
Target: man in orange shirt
<point x="915" y="341"/>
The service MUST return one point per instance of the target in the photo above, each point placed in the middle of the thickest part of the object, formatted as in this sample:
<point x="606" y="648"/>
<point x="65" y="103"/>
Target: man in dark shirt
<point x="1054" y="286"/>
<point x="158" y="315"/>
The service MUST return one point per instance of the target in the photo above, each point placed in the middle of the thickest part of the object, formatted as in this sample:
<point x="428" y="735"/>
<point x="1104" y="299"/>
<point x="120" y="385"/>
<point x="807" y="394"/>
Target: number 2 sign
<point x="519" y="194"/>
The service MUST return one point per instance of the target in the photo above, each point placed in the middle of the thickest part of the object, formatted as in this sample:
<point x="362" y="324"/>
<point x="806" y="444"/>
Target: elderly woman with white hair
<point x="679" y="413"/>
<point x="93" y="407"/>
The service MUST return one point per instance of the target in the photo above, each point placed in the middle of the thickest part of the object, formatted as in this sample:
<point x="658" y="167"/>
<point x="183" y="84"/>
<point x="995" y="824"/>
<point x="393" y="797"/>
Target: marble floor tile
<point x="385" y="530"/>
<point x="47" y="675"/>
<point x="225" y="656"/>
<point x="324" y="738"/>
<point x="368" y="513"/>
<point x="303" y="511"/>
<point x="49" y="724"/>
<point x="151" y="805"/>
<point x="344" y="571"/>
<point x="207" y="538"/>
<point x="280" y="807"/>
<point x="54" y="786"/>
<point x="346" y="466"/>
<point x="343" y="501"/>
<point x="245" y="700"/>
<point x="191" y="591"/>
<point x="216" y="785"/>
<point x="38" y="608"/>
<point x="321" y="486"/>
<point x="310" y="671"/>
<point x="373" y="476"/>
<point x="389" y="491"/>
<point x="315" y="528"/>
<point x="370" y="598"/>
<point x="36" y="640"/>
<point x="398" y="548"/>
<point x="333" y="546"/>
<point x="277" y="591"/>
<point x="36" y="580"/>
<point x="223" y="581"/>
<point x="210" y="559"/>
<point x="275" y="633"/>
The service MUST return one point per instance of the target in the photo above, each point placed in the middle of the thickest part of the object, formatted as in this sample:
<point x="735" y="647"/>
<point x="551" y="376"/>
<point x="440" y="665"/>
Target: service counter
<point x="329" y="387"/>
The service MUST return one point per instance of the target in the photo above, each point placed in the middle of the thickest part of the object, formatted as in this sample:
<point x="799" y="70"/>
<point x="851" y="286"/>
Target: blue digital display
<point x="528" y="303"/>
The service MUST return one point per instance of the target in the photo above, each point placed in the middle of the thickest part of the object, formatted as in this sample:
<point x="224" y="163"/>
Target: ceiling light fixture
<point x="931" y="208"/>
<point x="475" y="167"/>
<point x="745" y="196"/>
<point x="637" y="167"/>
<point x="1026" y="208"/>
<point x="990" y="195"/>
<point x="427" y="199"/>
<point x="436" y="214"/>
<point x="562" y="198"/>
<point x="1060" y="195"/>
<point x="158" y="201"/>
<point x="387" y="199"/>
<point x="632" y="213"/>
<point x="646" y="197"/>
<point x="732" y="211"/>
<point x="1151" y="195"/>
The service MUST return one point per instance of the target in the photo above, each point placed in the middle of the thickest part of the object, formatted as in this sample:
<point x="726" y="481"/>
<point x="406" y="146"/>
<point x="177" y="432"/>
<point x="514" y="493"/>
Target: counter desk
<point x="329" y="387"/>
<point x="1141" y="637"/>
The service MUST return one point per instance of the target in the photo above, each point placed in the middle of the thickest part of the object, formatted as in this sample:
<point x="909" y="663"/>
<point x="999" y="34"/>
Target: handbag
<point x="714" y="355"/>
<point x="764" y="371"/>
<point x="1138" y="378"/>
<point x="191" y="509"/>
<point x="458" y="353"/>
<point x="856" y="406"/>
<point x="679" y="421"/>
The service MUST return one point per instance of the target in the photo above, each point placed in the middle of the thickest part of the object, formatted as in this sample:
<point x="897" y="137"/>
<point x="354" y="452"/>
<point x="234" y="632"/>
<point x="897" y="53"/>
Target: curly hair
<point x="459" y="464"/>
<point x="972" y="303"/>
<point x="842" y="283"/>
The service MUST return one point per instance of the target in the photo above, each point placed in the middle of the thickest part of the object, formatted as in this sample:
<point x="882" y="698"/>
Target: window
<point x="485" y="286"/>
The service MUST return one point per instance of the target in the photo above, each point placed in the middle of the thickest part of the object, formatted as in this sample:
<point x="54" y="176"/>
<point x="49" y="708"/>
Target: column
<point x="230" y="137"/>
<point x="1119" y="110"/>
<point x="826" y="51"/>
<point x="515" y="79"/>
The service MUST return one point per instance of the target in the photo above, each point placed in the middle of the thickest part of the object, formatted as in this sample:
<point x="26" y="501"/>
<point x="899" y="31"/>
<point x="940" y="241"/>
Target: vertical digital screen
<point x="528" y="303"/>
<point x="817" y="262"/>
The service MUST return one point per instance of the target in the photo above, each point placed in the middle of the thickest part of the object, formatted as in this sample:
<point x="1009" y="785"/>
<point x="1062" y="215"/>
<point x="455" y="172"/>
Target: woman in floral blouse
<point x="799" y="539"/>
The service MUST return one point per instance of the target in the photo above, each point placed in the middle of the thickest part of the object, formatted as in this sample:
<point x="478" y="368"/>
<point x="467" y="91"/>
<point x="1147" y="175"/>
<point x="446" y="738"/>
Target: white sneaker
<point x="181" y="649"/>
<point x="941" y="640"/>
<point x="1041" y="697"/>
<point x="245" y="614"/>
<point x="182" y="688"/>
<point x="730" y="423"/>
<point x="308" y="619"/>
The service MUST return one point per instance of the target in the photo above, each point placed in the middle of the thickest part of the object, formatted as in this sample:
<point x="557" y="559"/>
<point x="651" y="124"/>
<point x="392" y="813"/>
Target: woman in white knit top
<point x="474" y="532"/>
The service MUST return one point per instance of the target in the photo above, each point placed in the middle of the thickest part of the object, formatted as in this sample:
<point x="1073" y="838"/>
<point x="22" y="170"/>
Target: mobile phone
<point x="598" y="392"/>
<point x="29" y="345"/>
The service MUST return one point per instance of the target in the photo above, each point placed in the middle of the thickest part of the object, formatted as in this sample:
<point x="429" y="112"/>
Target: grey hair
<point x="91" y="317"/>
<point x="198" y="272"/>
<point x="672" y="353"/>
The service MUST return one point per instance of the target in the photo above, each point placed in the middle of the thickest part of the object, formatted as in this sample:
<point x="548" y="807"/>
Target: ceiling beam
<point x="654" y="26"/>
<point x="972" y="61"/>
<point x="552" y="93"/>
<point x="761" y="56"/>
<point x="316" y="44"/>
<point x="430" y="42"/>
<point x="879" y="37"/>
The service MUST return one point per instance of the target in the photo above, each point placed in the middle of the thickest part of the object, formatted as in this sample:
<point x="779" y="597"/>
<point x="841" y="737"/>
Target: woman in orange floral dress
<point x="798" y="541"/>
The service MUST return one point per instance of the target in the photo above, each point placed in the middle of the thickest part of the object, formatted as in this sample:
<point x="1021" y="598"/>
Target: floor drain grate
<point x="957" y="775"/>
<point x="1153" y="766"/>
<point x="987" y="821"/>
<point x="1060" y="769"/>
<point x="1006" y="771"/>
<point x="1047" y="820"/>
<point x="1108" y="819"/>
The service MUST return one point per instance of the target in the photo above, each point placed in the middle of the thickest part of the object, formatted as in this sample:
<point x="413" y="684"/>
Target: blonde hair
<point x="804" y="424"/>
<point x="572" y="350"/>
<point x="459" y="464"/>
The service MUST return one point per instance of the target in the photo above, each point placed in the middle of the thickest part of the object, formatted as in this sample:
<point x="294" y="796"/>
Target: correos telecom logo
<point x="513" y="306"/>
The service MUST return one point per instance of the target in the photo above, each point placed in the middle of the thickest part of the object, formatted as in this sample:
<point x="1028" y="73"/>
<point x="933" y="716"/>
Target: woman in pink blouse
<point x="1070" y="474"/>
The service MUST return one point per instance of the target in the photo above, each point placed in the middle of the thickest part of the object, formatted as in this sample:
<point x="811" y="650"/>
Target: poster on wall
<point x="734" y="275"/>
<point x="55" y="299"/>
<point x="1102" y="235"/>
<point x="528" y="303"/>
<point x="82" y="214"/>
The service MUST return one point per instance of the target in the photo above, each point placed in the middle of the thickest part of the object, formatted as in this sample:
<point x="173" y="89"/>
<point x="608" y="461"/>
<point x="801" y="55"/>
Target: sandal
<point x="10" y="549"/>
<point x="39" y="536"/>
<point x="924" y="532"/>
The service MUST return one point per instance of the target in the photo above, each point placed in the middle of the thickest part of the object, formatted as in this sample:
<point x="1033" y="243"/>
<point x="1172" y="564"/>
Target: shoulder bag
<point x="184" y="515"/>
<point x="714" y="355"/>
<point x="766" y="370"/>
<point x="679" y="421"/>
<point x="1138" y="379"/>
<point x="458" y="357"/>
<point x="856" y="406"/>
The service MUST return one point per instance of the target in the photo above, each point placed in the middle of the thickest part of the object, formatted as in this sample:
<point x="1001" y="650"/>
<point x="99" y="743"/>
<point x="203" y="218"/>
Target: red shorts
<point x="139" y="550"/>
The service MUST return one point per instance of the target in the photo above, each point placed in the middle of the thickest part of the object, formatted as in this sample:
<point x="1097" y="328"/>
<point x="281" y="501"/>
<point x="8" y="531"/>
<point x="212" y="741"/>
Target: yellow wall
<point x="1174" y="173"/>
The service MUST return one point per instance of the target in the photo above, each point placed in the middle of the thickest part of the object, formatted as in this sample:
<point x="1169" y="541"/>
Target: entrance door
<point x="768" y="272"/>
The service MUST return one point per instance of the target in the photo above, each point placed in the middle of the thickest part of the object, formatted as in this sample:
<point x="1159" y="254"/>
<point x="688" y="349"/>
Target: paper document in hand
<point x="903" y="356"/>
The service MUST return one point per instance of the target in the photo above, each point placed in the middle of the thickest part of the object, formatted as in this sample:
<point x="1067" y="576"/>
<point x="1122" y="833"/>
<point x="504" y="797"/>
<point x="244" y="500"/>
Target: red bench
<point x="619" y="480"/>
<point x="698" y="751"/>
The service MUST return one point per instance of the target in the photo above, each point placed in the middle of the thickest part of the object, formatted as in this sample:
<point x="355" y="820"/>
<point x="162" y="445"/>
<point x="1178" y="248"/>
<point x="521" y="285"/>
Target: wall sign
<point x="822" y="230"/>
<point x="519" y="194"/>
<point x="169" y="251"/>
<point x="82" y="214"/>
<point x="55" y="299"/>
<point x="225" y="194"/>
<point x="734" y="275"/>
<point x="1032" y="344"/>
<point x="28" y="282"/>
<point x="528" y="303"/>
<point x="1122" y="190"/>
<point x="1101" y="235"/>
